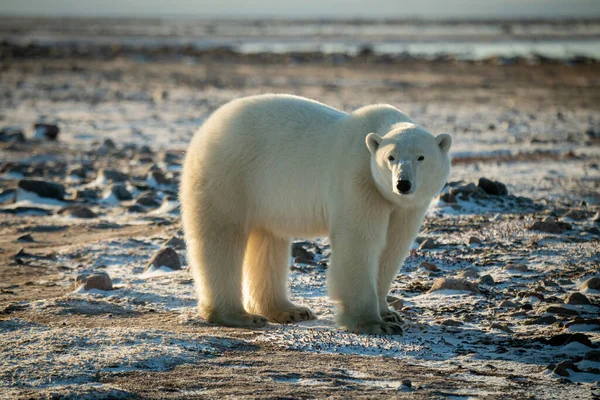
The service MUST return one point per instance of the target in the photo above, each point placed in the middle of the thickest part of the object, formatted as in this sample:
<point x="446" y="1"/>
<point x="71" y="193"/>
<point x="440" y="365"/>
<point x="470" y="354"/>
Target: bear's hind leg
<point x="216" y="258"/>
<point x="266" y="274"/>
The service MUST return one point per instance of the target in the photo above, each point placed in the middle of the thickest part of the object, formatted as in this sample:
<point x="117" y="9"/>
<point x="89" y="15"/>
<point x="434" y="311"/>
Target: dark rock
<point x="112" y="175"/>
<point x="561" y="370"/>
<point x="86" y="194"/>
<point x="158" y="178"/>
<point x="501" y="327"/>
<point x="451" y="322"/>
<point x="566" y="338"/>
<point x="474" y="240"/>
<point x="12" y="134"/>
<point x="46" y="131"/>
<point x="487" y="280"/>
<point x="543" y="320"/>
<point x="147" y="199"/>
<point x="592" y="283"/>
<point x="454" y="284"/>
<point x="576" y="298"/>
<point x="136" y="208"/>
<point x="165" y="257"/>
<point x="43" y="188"/>
<point x="78" y="171"/>
<point x="119" y="190"/>
<point x="7" y="196"/>
<point x="561" y="311"/>
<point x="109" y="144"/>
<point x="299" y="251"/>
<point x="427" y="244"/>
<point x="549" y="226"/>
<point x="78" y="211"/>
<point x="429" y="266"/>
<point x="176" y="243"/>
<point x="395" y="302"/>
<point x="575" y="215"/>
<point x="99" y="281"/>
<point x="170" y="158"/>
<point x="448" y="198"/>
<point x="493" y="188"/>
<point x="593" y="355"/>
<point x="26" y="238"/>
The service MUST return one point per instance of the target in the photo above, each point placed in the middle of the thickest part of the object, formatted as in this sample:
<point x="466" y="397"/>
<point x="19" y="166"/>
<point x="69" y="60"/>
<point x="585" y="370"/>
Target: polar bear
<point x="266" y="168"/>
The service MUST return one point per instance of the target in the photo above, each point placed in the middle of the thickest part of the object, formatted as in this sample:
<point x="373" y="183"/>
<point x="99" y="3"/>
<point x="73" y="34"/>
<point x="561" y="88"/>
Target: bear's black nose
<point x="403" y="186"/>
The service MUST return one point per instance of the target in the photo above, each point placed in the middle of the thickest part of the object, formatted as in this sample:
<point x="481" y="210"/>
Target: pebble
<point x="45" y="189"/>
<point x="501" y="327"/>
<point x="543" y="320"/>
<point x="99" y="281"/>
<point x="576" y="298"/>
<point x="158" y="178"/>
<point x="592" y="283"/>
<point x="448" y="198"/>
<point x="26" y="238"/>
<point x="77" y="171"/>
<point x="46" y="131"/>
<point x="427" y="244"/>
<point x="454" y="284"/>
<point x="469" y="273"/>
<point x="474" y="240"/>
<point x="147" y="199"/>
<point x="487" y="280"/>
<point x="176" y="243"/>
<point x="119" y="190"/>
<point x="86" y="194"/>
<point x="507" y="304"/>
<point x="78" y="211"/>
<point x="136" y="208"/>
<point x="165" y="257"/>
<point x="12" y="134"/>
<point x="429" y="266"/>
<point x="112" y="175"/>
<point x="493" y="188"/>
<point x="575" y="215"/>
<point x="561" y="311"/>
<point x="549" y="225"/>
<point x="451" y="322"/>
<point x="395" y="302"/>
<point x="299" y="251"/>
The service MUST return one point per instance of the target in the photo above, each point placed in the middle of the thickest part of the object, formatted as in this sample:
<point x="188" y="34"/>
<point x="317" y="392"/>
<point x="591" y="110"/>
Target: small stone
<point x="592" y="283"/>
<point x="546" y="227"/>
<point x="448" y="198"/>
<point x="45" y="189"/>
<point x="136" y="208"/>
<point x="507" y="304"/>
<point x="109" y="144"/>
<point x="543" y="320"/>
<point x="299" y="251"/>
<point x="156" y="178"/>
<point x="469" y="273"/>
<point x="112" y="175"/>
<point x="561" y="311"/>
<point x="395" y="302"/>
<point x="565" y="338"/>
<point x="119" y="190"/>
<point x="86" y="194"/>
<point x="99" y="281"/>
<point x="575" y="215"/>
<point x="176" y="243"/>
<point x="80" y="172"/>
<point x="78" y="211"/>
<point x="516" y="267"/>
<point x="487" y="280"/>
<point x="147" y="199"/>
<point x="427" y="244"/>
<point x="26" y="238"/>
<point x="12" y="134"/>
<point x="429" y="266"/>
<point x="561" y="370"/>
<point x="454" y="284"/>
<point x="165" y="257"/>
<point x="593" y="355"/>
<point x="451" y="322"/>
<point x="407" y="383"/>
<point x="474" y="240"/>
<point x="493" y="188"/>
<point x="46" y="131"/>
<point x="549" y="283"/>
<point x="576" y="298"/>
<point x="501" y="327"/>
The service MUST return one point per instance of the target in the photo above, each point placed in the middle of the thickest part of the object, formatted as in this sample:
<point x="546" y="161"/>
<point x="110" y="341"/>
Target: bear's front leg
<point x="402" y="229"/>
<point x="352" y="276"/>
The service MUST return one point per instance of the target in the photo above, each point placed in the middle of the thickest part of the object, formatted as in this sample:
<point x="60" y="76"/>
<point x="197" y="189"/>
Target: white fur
<point x="267" y="168"/>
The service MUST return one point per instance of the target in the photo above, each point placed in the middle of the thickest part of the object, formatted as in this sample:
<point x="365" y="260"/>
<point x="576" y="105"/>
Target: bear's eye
<point x="421" y="158"/>
<point x="391" y="158"/>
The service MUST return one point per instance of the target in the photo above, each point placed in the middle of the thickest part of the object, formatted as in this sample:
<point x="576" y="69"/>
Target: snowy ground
<point x="143" y="338"/>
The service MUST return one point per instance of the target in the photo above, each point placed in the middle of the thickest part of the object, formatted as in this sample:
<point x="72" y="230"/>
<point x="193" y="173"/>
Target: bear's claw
<point x="391" y="316"/>
<point x="290" y="315"/>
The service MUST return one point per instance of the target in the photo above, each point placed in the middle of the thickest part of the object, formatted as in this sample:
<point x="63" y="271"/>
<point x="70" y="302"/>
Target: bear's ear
<point x="444" y="141"/>
<point x="373" y="140"/>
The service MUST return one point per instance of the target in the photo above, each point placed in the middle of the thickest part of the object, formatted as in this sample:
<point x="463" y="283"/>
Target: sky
<point x="306" y="8"/>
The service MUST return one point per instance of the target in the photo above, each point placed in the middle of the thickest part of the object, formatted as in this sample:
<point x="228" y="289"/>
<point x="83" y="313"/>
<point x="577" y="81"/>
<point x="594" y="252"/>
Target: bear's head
<point x="408" y="164"/>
